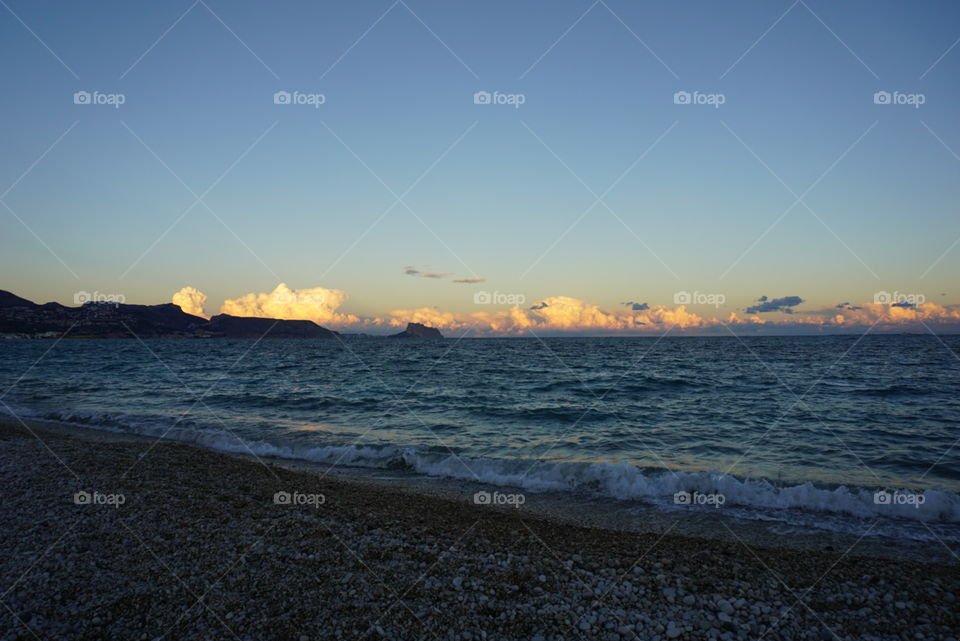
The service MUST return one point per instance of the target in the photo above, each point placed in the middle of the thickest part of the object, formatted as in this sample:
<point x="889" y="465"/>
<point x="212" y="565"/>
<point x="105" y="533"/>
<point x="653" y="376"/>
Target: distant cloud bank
<point x="559" y="314"/>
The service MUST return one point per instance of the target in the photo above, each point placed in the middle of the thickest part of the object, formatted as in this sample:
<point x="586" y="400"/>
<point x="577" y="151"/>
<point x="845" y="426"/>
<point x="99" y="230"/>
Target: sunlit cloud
<point x="191" y="300"/>
<point x="568" y="315"/>
<point x="468" y="280"/>
<point x="317" y="304"/>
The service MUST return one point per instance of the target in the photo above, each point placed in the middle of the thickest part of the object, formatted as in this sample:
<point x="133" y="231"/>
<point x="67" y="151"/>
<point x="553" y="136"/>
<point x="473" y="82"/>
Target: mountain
<point x="20" y="317"/>
<point x="12" y="300"/>
<point x="248" y="327"/>
<point x="416" y="330"/>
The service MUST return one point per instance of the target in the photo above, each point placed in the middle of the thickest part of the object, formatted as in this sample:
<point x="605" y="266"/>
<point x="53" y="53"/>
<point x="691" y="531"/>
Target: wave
<point x="757" y="497"/>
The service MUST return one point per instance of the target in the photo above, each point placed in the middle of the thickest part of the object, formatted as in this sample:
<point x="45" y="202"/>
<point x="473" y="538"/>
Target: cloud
<point x="848" y="306"/>
<point x="553" y="314"/>
<point x="468" y="280"/>
<point x="785" y="305"/>
<point x="637" y="307"/>
<point x="410" y="270"/>
<point x="318" y="304"/>
<point x="190" y="300"/>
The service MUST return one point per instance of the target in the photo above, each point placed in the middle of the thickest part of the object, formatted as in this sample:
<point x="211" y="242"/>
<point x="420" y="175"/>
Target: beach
<point x="108" y="536"/>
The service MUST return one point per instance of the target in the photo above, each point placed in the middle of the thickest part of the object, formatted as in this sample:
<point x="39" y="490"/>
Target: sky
<point x="577" y="166"/>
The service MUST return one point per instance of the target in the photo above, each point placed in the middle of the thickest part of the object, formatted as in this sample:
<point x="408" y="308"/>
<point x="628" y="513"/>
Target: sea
<point x="859" y="434"/>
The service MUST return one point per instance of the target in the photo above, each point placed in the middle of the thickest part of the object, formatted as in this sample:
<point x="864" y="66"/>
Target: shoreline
<point x="196" y="522"/>
<point x="561" y="508"/>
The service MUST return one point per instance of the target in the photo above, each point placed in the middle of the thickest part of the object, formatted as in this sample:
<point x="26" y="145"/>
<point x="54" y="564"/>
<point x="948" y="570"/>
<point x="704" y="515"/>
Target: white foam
<point x="619" y="480"/>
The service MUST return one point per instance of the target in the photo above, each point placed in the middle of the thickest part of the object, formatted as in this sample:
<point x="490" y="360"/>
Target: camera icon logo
<point x="81" y="98"/>
<point x="81" y="298"/>
<point x="482" y="298"/>
<point x="883" y="298"/>
<point x="681" y="98"/>
<point x="682" y="498"/>
<point x="282" y="498"/>
<point x="882" y="497"/>
<point x="882" y="98"/>
<point x="281" y="98"/>
<point x="482" y="498"/>
<point x="482" y="98"/>
<point x="82" y="498"/>
<point x="682" y="298"/>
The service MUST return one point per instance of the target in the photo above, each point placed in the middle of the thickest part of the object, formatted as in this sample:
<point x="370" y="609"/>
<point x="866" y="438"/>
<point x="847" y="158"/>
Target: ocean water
<point x="800" y="430"/>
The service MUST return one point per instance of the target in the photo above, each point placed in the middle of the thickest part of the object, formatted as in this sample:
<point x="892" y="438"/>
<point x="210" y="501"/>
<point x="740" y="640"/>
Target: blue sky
<point x="500" y="190"/>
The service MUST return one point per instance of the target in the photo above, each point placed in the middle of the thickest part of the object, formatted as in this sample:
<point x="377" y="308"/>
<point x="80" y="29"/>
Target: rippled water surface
<point x="629" y="418"/>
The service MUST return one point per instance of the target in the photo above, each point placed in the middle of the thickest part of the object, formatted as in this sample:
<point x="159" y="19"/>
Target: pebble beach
<point x="119" y="538"/>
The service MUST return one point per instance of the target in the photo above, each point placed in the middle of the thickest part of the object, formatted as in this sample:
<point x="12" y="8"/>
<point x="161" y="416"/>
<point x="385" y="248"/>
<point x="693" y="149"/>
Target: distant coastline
<point x="23" y="318"/>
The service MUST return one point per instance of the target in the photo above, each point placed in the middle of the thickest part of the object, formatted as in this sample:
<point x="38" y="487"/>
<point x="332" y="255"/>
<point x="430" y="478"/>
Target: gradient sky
<point x="502" y="187"/>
